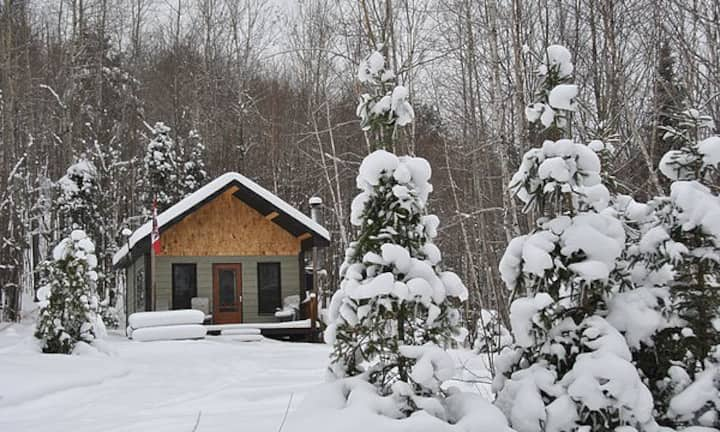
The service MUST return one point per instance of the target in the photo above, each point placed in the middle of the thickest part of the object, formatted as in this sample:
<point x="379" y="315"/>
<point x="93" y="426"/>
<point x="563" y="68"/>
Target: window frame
<point x="277" y="265"/>
<point x="172" y="288"/>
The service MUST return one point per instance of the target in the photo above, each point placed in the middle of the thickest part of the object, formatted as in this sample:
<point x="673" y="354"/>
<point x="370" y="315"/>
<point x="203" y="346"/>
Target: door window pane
<point x="184" y="285"/>
<point x="269" y="292"/>
<point x="227" y="288"/>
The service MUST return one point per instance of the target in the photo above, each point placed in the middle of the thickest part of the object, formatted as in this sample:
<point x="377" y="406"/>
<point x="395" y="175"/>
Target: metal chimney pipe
<point x="315" y="205"/>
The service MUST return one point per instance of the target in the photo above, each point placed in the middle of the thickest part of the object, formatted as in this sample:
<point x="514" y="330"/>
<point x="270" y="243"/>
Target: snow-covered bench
<point x="166" y="325"/>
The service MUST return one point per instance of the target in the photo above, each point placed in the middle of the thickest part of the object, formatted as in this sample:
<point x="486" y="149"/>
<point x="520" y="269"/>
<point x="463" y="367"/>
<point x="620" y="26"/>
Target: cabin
<point x="232" y="249"/>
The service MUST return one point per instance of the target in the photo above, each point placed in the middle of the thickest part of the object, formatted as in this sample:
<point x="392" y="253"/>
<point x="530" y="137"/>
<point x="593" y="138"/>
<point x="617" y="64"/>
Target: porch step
<point x="243" y="337"/>
<point x="239" y="331"/>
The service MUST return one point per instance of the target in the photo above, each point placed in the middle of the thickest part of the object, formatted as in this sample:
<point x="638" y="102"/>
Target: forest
<point x="269" y="89"/>
<point x="522" y="202"/>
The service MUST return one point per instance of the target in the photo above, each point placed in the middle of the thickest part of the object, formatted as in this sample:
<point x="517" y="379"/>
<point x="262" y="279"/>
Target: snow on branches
<point x="677" y="256"/>
<point x="386" y="106"/>
<point x="68" y="301"/>
<point x="555" y="98"/>
<point x="171" y="170"/>
<point x="570" y="367"/>
<point x="78" y="193"/>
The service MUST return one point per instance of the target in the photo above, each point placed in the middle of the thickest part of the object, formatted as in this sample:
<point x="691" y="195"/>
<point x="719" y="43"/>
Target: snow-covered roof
<point x="196" y="198"/>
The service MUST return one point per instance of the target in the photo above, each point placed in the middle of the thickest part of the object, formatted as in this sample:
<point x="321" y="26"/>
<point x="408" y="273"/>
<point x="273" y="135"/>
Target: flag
<point x="155" y="236"/>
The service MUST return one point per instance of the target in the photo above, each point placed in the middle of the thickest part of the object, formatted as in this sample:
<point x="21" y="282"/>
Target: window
<point x="227" y="290"/>
<point x="184" y="285"/>
<point x="268" y="275"/>
<point x="139" y="290"/>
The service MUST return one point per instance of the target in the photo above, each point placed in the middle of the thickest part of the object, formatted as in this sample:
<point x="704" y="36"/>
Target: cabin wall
<point x="289" y="280"/>
<point x="226" y="226"/>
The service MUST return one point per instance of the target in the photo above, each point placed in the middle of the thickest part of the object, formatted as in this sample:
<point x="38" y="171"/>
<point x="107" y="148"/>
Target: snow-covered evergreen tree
<point x="569" y="366"/>
<point x="78" y="195"/>
<point x="160" y="177"/>
<point x="194" y="173"/>
<point x="68" y="301"/>
<point x="678" y="252"/>
<point x="395" y="309"/>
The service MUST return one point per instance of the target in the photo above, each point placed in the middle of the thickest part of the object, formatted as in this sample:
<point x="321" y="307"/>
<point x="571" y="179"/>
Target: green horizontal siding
<point x="289" y="279"/>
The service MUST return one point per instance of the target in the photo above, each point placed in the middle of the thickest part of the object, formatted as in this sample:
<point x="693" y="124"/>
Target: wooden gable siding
<point x="227" y="226"/>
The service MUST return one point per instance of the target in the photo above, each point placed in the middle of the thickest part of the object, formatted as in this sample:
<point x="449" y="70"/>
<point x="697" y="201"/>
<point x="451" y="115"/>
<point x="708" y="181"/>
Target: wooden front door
<point x="227" y="293"/>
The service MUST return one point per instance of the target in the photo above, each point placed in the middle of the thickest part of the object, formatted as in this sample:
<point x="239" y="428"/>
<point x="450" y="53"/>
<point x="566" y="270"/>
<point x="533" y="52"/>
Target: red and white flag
<point x="155" y="236"/>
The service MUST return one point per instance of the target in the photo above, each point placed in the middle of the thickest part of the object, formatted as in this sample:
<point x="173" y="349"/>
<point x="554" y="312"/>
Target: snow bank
<point x="24" y="377"/>
<point x="140" y="320"/>
<point x="173" y="332"/>
<point x="352" y="405"/>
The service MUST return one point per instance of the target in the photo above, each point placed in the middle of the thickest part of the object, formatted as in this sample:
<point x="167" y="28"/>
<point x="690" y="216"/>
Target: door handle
<point x="240" y="299"/>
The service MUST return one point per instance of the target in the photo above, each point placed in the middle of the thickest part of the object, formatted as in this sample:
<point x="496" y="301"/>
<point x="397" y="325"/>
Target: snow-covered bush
<point x="330" y="409"/>
<point x="569" y="367"/>
<point x="68" y="303"/>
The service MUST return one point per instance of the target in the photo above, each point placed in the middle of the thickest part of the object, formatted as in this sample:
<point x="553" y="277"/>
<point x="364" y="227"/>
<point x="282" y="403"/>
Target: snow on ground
<point x="158" y="386"/>
<point x="164" y="386"/>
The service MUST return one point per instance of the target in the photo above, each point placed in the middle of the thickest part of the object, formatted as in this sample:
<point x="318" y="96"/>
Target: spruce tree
<point x="68" y="302"/>
<point x="160" y="175"/>
<point x="667" y="101"/>
<point x="395" y="309"/>
<point x="194" y="173"/>
<point x="78" y="196"/>
<point x="679" y="249"/>
<point x="569" y="367"/>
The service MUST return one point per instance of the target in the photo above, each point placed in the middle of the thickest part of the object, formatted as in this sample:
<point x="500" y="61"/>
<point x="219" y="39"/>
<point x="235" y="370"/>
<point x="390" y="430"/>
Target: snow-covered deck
<point x="293" y="330"/>
<point x="301" y="324"/>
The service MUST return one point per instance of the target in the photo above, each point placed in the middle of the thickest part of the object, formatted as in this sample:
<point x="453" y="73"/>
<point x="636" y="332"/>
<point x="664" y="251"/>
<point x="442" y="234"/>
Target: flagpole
<point x="153" y="286"/>
<point x="152" y="279"/>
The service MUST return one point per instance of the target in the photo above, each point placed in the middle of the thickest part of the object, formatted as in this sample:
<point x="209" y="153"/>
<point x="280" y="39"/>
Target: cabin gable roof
<point x="247" y="191"/>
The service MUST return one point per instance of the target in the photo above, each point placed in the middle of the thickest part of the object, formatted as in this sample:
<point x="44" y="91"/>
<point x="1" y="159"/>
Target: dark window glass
<point x="184" y="285"/>
<point x="268" y="287"/>
<point x="227" y="287"/>
<point x="139" y="291"/>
